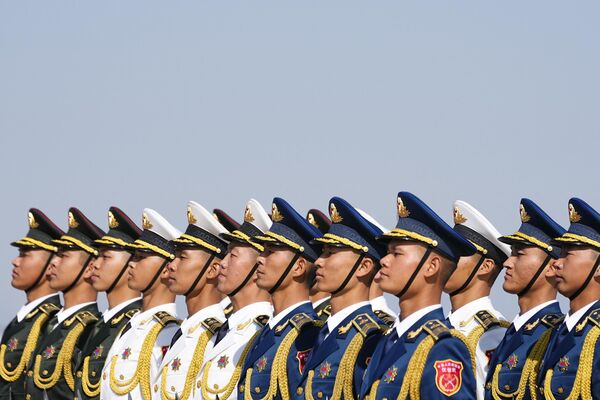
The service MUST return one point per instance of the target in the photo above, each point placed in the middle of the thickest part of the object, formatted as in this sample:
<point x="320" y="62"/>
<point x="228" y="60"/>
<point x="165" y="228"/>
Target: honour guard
<point x="51" y="368"/>
<point x="231" y="225"/>
<point x="320" y="300"/>
<point x="278" y="355"/>
<point x="513" y="365"/>
<point x="108" y="276"/>
<point x="345" y="268"/>
<point x="227" y="349"/>
<point x="572" y="361"/>
<point x="132" y="362"/>
<point x="469" y="287"/>
<point x="23" y="333"/>
<point x="421" y="356"/>
<point x="193" y="274"/>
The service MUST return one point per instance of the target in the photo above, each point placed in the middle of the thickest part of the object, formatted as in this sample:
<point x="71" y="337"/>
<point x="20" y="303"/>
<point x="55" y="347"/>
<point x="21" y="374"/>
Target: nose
<point x="172" y="266"/>
<point x="509" y="263"/>
<point x="558" y="264"/>
<point x="16" y="261"/>
<point x="224" y="262"/>
<point x="385" y="261"/>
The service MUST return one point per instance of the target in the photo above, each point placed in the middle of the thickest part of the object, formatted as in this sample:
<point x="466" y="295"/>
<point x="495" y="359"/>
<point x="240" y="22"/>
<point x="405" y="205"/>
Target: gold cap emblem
<point x="573" y="215"/>
<point x="72" y="221"/>
<point x="248" y="217"/>
<point x="31" y="221"/>
<point x="524" y="216"/>
<point x="311" y="220"/>
<point x="190" y="216"/>
<point x="334" y="214"/>
<point x="146" y="224"/>
<point x="275" y="214"/>
<point x="458" y="217"/>
<point x="402" y="210"/>
<point x="112" y="221"/>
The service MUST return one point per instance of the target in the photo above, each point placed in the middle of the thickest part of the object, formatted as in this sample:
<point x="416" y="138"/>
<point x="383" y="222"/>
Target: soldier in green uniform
<point x="50" y="374"/>
<point x="108" y="276"/>
<point x="29" y="275"/>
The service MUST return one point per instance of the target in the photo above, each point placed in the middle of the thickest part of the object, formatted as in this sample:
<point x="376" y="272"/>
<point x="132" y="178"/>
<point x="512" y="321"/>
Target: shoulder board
<point x="385" y="317"/>
<point x="212" y="324"/>
<point x="436" y="329"/>
<point x="326" y="310"/>
<point x="165" y="318"/>
<point x="300" y="320"/>
<point x="129" y="314"/>
<point x="552" y="320"/>
<point x="86" y="318"/>
<point x="49" y="308"/>
<point x="261" y="320"/>
<point x="366" y="325"/>
<point x="594" y="316"/>
<point x="228" y="310"/>
<point x="486" y="319"/>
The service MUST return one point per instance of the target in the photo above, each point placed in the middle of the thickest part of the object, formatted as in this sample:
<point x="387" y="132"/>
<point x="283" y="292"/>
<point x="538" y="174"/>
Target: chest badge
<point x="563" y="364"/>
<point x="13" y="343"/>
<point x="391" y="374"/>
<point x="222" y="362"/>
<point x="176" y="364"/>
<point x="49" y="352"/>
<point x="97" y="353"/>
<point x="512" y="361"/>
<point x="261" y="364"/>
<point x="324" y="369"/>
<point x="448" y="376"/>
<point x="302" y="357"/>
<point x="126" y="353"/>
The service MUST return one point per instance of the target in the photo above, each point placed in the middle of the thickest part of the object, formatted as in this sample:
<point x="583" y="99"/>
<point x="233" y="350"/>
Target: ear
<point x="213" y="270"/>
<point x="366" y="267"/>
<point x="89" y="269"/>
<point x="300" y="267"/>
<point x="433" y="266"/>
<point x="486" y="268"/>
<point x="165" y="271"/>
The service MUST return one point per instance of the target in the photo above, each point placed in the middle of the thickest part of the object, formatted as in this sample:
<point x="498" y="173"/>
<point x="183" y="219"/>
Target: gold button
<point x="241" y="388"/>
<point x="28" y="397"/>
<point x="560" y="390"/>
<point x="45" y="372"/>
<point x="320" y="395"/>
<point x="155" y="388"/>
<point x="93" y="373"/>
<point x="30" y="374"/>
<point x="104" y="376"/>
<point x="385" y="398"/>
<point x="299" y="391"/>
<point x="9" y="364"/>
<point x="507" y="387"/>
<point x="198" y="384"/>
<point x="172" y="388"/>
<point x="257" y="389"/>
<point x="488" y="385"/>
<point x="79" y="374"/>
<point x="121" y="377"/>
<point x="75" y="398"/>
<point x="216" y="386"/>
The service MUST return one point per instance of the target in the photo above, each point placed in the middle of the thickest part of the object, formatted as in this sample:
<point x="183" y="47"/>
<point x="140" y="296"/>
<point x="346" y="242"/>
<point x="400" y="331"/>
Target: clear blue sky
<point x="151" y="104"/>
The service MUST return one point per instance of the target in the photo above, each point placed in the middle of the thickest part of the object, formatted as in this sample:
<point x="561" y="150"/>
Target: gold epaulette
<point x="436" y="329"/>
<point x="212" y="324"/>
<point x="552" y="320"/>
<point x="593" y="318"/>
<point x="388" y="319"/>
<point x="486" y="319"/>
<point x="49" y="308"/>
<point x="261" y="320"/>
<point x="164" y="318"/>
<point x="86" y="318"/>
<point x="301" y="319"/>
<point x="366" y="325"/>
<point x="129" y="314"/>
<point x="228" y="310"/>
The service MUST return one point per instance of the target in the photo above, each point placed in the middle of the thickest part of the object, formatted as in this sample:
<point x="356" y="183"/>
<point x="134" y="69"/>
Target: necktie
<point x="222" y="332"/>
<point x="322" y="334"/>
<point x="175" y="337"/>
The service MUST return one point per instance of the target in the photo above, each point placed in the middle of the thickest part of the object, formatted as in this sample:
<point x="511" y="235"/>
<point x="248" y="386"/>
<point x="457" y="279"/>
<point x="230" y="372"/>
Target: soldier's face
<point x="333" y="266"/>
<point x="236" y="265"/>
<point x="461" y="274"/>
<point x="28" y="266"/>
<point x="184" y="270"/>
<point x="107" y="267"/>
<point x="398" y="265"/>
<point x="64" y="268"/>
<point x="573" y="267"/>
<point x="521" y="267"/>
<point x="272" y="263"/>
<point x="142" y="268"/>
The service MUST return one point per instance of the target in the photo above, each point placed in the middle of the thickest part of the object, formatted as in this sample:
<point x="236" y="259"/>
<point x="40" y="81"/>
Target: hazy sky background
<point x="151" y="104"/>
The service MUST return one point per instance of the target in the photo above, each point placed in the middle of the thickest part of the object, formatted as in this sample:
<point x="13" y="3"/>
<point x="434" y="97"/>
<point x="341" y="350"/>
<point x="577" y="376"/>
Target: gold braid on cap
<point x="70" y="240"/>
<point x="330" y="238"/>
<point x="572" y="237"/>
<point x="523" y="237"/>
<point x="403" y="233"/>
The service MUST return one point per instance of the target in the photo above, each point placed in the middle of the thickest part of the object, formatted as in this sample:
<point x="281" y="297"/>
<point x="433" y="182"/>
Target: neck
<point x="318" y="296"/>
<point x="157" y="295"/>
<point x="248" y="295"/>
<point x="423" y="298"/>
<point x="288" y="296"/>
<point x="348" y="297"/>
<point x="121" y="294"/>
<point x="207" y="296"/>
<point x="534" y="298"/>
<point x="81" y="293"/>
<point x="468" y="295"/>
<point x="586" y="297"/>
<point x="39" y="291"/>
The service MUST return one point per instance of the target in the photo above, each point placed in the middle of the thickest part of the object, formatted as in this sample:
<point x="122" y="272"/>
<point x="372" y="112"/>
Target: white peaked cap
<point x="199" y="216"/>
<point x="256" y="215"/>
<point x="154" y="222"/>
<point x="371" y="220"/>
<point x="468" y="216"/>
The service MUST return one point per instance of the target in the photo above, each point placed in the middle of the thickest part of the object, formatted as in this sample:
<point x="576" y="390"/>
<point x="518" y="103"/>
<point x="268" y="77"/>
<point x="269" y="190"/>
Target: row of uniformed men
<point x="276" y="343"/>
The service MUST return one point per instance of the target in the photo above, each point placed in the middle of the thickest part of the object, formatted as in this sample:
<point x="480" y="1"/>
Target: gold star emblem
<point x="31" y="220"/>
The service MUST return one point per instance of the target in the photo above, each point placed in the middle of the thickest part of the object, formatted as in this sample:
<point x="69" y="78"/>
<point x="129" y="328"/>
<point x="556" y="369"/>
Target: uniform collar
<point x="143" y="316"/>
<point x="27" y="308"/>
<point x="212" y="311"/>
<point x="253" y="310"/>
<point x="520" y="320"/>
<point x="335" y="319"/>
<point x="468" y="310"/>
<point x="63" y="314"/>
<point x="111" y="312"/>
<point x="402" y="326"/>
<point x="226" y="302"/>
<point x="320" y="301"/>
<point x="279" y="316"/>
<point x="572" y="320"/>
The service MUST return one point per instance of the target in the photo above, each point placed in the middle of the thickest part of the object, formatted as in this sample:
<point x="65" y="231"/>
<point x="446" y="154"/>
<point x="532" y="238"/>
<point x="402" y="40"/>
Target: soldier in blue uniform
<point x="50" y="374"/>
<point x="320" y="300"/>
<point x="29" y="275"/>
<point x="420" y="356"/>
<point x="529" y="276"/>
<point x="278" y="355"/>
<point x="570" y="368"/>
<point x="345" y="268"/>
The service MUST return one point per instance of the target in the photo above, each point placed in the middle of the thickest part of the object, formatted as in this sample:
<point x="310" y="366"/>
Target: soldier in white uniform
<point x="133" y="361"/>
<point x="193" y="274"/>
<point x="473" y="313"/>
<point x="227" y="350"/>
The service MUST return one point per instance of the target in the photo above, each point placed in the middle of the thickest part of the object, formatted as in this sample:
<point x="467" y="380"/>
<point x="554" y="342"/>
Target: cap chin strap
<point x="535" y="277"/>
<point x="587" y="280"/>
<point x="118" y="278"/>
<point x="250" y="274"/>
<point x="200" y="274"/>
<point x="415" y="273"/>
<point x="160" y="270"/>
<point x="470" y="278"/>
<point x="359" y="260"/>
<point x="41" y="275"/>
<point x="80" y="274"/>
<point x="285" y="273"/>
